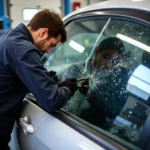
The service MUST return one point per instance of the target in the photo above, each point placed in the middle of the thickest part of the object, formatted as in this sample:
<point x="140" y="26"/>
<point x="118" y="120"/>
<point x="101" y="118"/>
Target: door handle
<point x="25" y="123"/>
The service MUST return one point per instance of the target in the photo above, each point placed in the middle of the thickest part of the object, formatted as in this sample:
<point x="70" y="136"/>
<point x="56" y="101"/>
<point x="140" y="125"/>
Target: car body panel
<point x="51" y="132"/>
<point x="45" y="137"/>
<point x="143" y="5"/>
<point x="37" y="115"/>
<point x="63" y="133"/>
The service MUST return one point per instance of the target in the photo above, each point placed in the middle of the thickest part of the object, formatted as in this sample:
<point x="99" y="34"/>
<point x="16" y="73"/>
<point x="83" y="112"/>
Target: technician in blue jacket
<point x="21" y="69"/>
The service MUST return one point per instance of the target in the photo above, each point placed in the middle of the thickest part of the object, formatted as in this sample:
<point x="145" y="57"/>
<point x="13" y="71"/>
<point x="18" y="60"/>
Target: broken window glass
<point x="111" y="59"/>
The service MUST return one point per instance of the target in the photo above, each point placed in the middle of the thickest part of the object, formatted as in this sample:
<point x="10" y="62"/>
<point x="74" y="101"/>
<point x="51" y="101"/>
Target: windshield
<point x="113" y="54"/>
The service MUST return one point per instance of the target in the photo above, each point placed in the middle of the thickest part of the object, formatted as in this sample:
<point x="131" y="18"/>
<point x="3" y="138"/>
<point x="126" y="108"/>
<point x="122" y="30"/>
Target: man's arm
<point x="36" y="78"/>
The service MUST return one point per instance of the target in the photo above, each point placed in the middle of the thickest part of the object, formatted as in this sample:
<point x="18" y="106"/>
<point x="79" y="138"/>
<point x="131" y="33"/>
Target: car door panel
<point x="50" y="133"/>
<point x="54" y="134"/>
<point x="36" y="115"/>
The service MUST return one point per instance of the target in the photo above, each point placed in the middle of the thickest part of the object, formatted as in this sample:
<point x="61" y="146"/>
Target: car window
<point x="115" y="96"/>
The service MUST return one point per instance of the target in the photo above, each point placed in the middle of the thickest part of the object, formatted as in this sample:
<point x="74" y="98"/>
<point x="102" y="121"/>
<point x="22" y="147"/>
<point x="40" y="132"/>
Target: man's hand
<point x="54" y="76"/>
<point x="70" y="83"/>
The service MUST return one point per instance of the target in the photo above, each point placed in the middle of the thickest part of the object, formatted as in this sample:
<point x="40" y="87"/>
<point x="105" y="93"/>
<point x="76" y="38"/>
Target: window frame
<point x="123" y="14"/>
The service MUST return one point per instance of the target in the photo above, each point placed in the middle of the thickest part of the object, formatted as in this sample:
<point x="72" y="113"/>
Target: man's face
<point x="45" y="43"/>
<point x="105" y="59"/>
<point x="48" y="43"/>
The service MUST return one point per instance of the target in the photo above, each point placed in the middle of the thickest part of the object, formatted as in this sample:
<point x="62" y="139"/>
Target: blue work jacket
<point x="21" y="70"/>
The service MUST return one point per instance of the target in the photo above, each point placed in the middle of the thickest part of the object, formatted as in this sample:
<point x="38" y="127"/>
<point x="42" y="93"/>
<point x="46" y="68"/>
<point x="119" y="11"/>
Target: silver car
<point x="124" y="100"/>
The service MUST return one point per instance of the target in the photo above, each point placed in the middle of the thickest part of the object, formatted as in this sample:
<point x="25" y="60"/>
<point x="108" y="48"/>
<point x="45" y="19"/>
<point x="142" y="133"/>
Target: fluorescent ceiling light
<point x="28" y="13"/>
<point x="133" y="42"/>
<point x="76" y="46"/>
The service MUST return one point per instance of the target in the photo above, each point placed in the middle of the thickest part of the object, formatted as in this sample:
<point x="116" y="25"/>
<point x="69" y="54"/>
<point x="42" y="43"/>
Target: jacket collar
<point x="24" y="30"/>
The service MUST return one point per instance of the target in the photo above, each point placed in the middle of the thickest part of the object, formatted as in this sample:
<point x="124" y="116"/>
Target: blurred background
<point x="13" y="12"/>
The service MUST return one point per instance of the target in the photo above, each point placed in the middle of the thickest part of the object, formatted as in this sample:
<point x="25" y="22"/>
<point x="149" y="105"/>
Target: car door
<point x="126" y="104"/>
<point x="47" y="131"/>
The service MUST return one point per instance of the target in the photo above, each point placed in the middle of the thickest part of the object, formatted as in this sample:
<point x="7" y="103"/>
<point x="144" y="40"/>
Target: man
<point x="21" y="69"/>
<point x="106" y="94"/>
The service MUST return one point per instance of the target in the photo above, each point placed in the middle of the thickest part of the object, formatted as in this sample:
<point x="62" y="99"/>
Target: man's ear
<point x="43" y="33"/>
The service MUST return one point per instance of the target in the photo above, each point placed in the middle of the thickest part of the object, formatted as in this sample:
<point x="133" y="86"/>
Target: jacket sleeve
<point x="36" y="78"/>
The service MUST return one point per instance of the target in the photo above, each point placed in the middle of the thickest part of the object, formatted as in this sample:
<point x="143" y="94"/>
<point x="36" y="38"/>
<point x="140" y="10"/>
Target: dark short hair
<point x="51" y="20"/>
<point x="112" y="43"/>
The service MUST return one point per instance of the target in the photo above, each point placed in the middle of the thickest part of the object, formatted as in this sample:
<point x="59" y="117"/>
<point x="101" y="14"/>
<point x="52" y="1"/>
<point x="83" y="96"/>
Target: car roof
<point x="141" y="5"/>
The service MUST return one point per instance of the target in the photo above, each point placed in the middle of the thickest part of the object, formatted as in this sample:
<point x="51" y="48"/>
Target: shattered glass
<point x="108" y="103"/>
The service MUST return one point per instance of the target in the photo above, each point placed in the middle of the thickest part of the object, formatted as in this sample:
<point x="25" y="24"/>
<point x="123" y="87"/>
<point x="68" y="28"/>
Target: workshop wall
<point x="17" y="7"/>
<point x="16" y="10"/>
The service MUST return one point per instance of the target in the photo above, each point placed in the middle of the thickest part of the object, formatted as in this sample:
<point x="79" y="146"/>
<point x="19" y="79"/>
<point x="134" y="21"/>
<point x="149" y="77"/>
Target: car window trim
<point x="107" y="16"/>
<point x="142" y="15"/>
